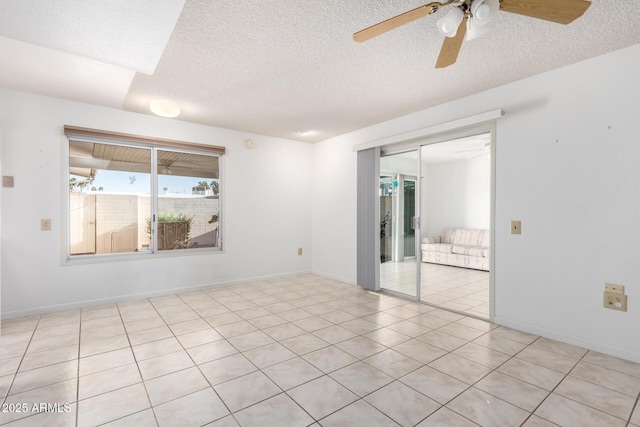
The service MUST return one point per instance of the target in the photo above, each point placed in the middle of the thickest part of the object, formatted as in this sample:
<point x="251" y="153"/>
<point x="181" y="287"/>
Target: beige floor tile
<point x="338" y="316"/>
<point x="595" y="396"/>
<point x="387" y="337"/>
<point x="514" y="335"/>
<point x="227" y="368"/>
<point x="434" y="384"/>
<point x="359" y="414"/>
<point x="322" y="396"/>
<point x="13" y="350"/>
<point x="175" y="385"/>
<point x="460" y="368"/>
<point x="193" y="339"/>
<point x="360" y="347"/>
<point x="487" y="410"/>
<point x="148" y="312"/>
<point x="144" y="418"/>
<point x="461" y="331"/>
<point x="267" y="321"/>
<point x="614" y="363"/>
<point x="500" y="343"/>
<point x="512" y="390"/>
<point x="45" y="344"/>
<point x="101" y="322"/>
<point x="196" y="409"/>
<point x="5" y="383"/>
<point x="59" y="318"/>
<point x="482" y="355"/>
<point x="189" y="326"/>
<point x="329" y="359"/>
<point x="420" y="351"/>
<point x="536" y="421"/>
<point x="212" y="351"/>
<point x="49" y="357"/>
<point x="250" y="341"/>
<point x="280" y="410"/>
<point x="295" y="314"/>
<point x="105" y="361"/>
<point x="99" y="333"/>
<point x="103" y="345"/>
<point x="303" y="344"/>
<point x="156" y="348"/>
<point x="269" y="354"/>
<point x="40" y="377"/>
<point x="284" y="331"/>
<point x="144" y="324"/>
<point x="409" y="328"/>
<point x="361" y="378"/>
<point x="393" y="363"/>
<point x="106" y="381"/>
<point x="445" y="418"/>
<point x="9" y="366"/>
<point x="223" y="319"/>
<point x="383" y="319"/>
<point x="532" y="374"/>
<point x="548" y="359"/>
<point x="54" y="331"/>
<point x="148" y="335"/>
<point x="608" y="378"/>
<point x="635" y="417"/>
<point x="27" y="323"/>
<point x="402" y="403"/>
<point x="292" y="373"/>
<point x="252" y="313"/>
<point x="230" y="330"/>
<point x="566" y="412"/>
<point x="63" y="392"/>
<point x="163" y="365"/>
<point x="558" y="347"/>
<point x="244" y="391"/>
<point x="113" y="405"/>
<point x="311" y="324"/>
<point x="441" y="340"/>
<point x="334" y="334"/>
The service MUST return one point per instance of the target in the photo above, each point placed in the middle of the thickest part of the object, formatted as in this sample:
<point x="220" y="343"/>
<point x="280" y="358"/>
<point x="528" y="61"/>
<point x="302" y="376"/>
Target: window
<point x="131" y="194"/>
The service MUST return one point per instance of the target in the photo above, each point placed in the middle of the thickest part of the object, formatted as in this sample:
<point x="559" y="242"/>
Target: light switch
<point x="45" y="224"/>
<point x="7" y="181"/>
<point x="516" y="227"/>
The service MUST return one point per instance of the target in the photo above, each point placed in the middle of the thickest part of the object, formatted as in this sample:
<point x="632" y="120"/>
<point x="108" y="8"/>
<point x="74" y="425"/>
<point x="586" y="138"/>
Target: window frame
<point x="154" y="145"/>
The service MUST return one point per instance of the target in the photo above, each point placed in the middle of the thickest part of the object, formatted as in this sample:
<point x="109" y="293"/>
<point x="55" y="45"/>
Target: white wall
<point x="567" y="157"/>
<point x="267" y="210"/>
<point x="455" y="194"/>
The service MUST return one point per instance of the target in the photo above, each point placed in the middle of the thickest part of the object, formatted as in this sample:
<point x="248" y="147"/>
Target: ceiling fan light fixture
<point x="483" y="11"/>
<point x="164" y="108"/>
<point x="474" y="30"/>
<point x="448" y="25"/>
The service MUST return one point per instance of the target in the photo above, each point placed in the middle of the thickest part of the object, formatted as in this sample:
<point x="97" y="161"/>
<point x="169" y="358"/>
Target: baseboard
<point x="143" y="295"/>
<point x="620" y="352"/>
<point x="333" y="277"/>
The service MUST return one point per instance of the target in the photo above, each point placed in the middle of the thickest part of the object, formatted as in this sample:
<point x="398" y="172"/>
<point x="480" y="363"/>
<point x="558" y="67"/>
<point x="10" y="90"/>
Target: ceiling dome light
<point x="450" y="23"/>
<point x="164" y="108"/>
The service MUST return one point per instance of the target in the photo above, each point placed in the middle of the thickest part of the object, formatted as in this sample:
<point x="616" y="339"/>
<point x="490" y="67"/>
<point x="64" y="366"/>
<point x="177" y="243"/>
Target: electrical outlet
<point x="616" y="289"/>
<point x="299" y="251"/>
<point x="516" y="227"/>
<point x="615" y="301"/>
<point x="45" y="224"/>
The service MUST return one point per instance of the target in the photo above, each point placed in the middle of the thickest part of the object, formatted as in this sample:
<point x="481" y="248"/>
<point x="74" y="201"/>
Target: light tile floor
<point x="453" y="288"/>
<point x="299" y="351"/>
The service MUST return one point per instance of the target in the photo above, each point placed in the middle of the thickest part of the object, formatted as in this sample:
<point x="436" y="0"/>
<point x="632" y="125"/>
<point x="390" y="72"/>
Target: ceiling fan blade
<point x="451" y="46"/>
<point x="397" y="21"/>
<point x="562" y="12"/>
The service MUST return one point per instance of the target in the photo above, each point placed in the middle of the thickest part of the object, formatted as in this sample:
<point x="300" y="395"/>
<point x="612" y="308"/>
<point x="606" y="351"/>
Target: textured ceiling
<point x="281" y="67"/>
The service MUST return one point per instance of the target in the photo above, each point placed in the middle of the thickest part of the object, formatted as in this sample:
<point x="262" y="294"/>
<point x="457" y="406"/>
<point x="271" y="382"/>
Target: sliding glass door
<point x="399" y="202"/>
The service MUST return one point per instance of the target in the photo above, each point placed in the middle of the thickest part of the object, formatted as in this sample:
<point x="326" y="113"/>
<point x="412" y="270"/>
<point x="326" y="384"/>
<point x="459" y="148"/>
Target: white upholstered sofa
<point x="460" y="247"/>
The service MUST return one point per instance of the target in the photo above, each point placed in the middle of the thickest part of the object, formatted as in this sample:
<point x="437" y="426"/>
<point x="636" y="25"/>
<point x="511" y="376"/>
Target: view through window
<point x="126" y="198"/>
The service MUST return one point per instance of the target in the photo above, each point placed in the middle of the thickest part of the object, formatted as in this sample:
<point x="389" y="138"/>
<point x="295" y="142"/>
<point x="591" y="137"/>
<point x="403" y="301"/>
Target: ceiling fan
<point x="470" y="18"/>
